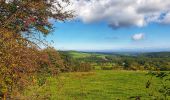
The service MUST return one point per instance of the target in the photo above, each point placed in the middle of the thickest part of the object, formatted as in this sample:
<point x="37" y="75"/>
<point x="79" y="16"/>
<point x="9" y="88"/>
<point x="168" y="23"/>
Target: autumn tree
<point x="22" y="23"/>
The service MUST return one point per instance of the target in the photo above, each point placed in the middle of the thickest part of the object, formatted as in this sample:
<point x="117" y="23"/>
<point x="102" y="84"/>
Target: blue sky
<point x="97" y="28"/>
<point x="75" y="35"/>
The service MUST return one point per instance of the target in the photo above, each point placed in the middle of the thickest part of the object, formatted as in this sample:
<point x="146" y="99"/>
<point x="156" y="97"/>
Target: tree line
<point x="143" y="61"/>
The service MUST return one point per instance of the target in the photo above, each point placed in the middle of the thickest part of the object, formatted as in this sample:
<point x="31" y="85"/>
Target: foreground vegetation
<point x="23" y="26"/>
<point x="96" y="85"/>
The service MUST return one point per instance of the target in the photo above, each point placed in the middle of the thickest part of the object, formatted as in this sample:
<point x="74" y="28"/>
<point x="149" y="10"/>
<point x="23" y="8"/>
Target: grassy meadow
<point x="77" y="54"/>
<point x="95" y="85"/>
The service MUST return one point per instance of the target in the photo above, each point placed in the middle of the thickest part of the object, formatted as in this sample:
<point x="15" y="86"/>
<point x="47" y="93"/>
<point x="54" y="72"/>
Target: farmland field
<point x="96" y="85"/>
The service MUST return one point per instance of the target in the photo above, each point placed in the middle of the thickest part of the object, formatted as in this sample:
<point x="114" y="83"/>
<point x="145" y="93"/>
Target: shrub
<point x="107" y="68"/>
<point x="81" y="67"/>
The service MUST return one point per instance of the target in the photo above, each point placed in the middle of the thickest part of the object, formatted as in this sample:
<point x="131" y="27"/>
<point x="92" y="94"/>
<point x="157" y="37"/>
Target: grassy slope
<point x="76" y="54"/>
<point x="98" y="85"/>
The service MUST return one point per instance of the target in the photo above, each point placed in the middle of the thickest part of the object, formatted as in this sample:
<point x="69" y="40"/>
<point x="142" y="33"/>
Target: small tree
<point x="22" y="22"/>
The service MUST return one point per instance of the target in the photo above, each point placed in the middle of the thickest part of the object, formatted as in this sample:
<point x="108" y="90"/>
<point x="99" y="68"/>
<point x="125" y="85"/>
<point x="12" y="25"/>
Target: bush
<point x="107" y="68"/>
<point x="81" y="67"/>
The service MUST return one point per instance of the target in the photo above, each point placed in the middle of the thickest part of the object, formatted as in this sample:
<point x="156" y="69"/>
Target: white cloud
<point x="139" y="36"/>
<point x="122" y="13"/>
<point x="166" y="19"/>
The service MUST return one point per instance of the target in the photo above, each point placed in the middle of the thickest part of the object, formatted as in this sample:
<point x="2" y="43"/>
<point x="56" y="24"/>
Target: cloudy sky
<point x="118" y="25"/>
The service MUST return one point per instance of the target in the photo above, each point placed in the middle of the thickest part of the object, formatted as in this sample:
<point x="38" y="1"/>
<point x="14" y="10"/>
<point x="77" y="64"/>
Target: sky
<point x="114" y="25"/>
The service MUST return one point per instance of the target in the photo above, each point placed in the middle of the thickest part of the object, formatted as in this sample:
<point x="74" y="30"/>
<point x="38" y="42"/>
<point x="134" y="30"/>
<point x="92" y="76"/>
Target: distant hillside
<point x="127" y="61"/>
<point x="156" y="55"/>
<point x="89" y="56"/>
<point x="79" y="54"/>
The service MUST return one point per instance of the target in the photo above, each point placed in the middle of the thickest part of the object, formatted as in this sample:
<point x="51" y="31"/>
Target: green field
<point x="97" y="85"/>
<point x="76" y="54"/>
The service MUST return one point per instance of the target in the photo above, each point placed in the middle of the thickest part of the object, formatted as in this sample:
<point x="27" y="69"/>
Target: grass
<point x="76" y="54"/>
<point x="97" y="85"/>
